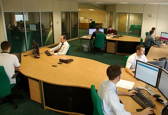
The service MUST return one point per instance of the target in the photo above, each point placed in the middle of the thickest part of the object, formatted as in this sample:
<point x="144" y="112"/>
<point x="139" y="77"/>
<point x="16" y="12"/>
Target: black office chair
<point x="5" y="88"/>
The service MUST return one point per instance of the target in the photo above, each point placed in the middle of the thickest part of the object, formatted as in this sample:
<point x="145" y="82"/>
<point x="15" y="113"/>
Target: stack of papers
<point x="125" y="84"/>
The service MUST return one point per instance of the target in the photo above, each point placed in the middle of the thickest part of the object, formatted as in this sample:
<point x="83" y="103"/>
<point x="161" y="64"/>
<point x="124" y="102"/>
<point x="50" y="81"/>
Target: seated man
<point x="149" y="41"/>
<point x="97" y="31"/>
<point x="109" y="95"/>
<point x="9" y="61"/>
<point x="111" y="31"/>
<point x="131" y="61"/>
<point x="62" y="48"/>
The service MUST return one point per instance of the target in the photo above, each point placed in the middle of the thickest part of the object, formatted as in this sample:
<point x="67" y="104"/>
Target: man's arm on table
<point x="129" y="71"/>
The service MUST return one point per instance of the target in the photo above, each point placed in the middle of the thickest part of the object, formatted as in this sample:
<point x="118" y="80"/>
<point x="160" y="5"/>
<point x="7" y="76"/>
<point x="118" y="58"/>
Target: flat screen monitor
<point x="162" y="85"/>
<point x="32" y="27"/>
<point x="158" y="63"/>
<point x="147" y="73"/>
<point x="36" y="49"/>
<point x="91" y="30"/>
<point x="164" y="36"/>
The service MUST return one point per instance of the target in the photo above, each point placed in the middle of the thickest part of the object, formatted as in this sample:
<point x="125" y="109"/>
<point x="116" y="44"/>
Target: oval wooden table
<point x="66" y="88"/>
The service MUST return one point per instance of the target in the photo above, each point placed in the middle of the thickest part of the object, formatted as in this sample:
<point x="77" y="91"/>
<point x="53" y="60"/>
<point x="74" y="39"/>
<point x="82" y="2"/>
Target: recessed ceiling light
<point x="79" y="9"/>
<point x="91" y="9"/>
<point x="123" y="2"/>
<point x="99" y="2"/>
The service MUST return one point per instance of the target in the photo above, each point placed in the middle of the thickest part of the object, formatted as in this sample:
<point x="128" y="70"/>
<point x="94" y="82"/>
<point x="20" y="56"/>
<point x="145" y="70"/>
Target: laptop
<point x="18" y="55"/>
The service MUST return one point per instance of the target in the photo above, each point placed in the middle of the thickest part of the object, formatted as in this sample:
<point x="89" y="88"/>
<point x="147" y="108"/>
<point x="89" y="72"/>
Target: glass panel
<point x="135" y="25"/>
<point x="47" y="28"/>
<point x="65" y="22"/>
<point x="15" y="31"/>
<point x="74" y="24"/>
<point x="33" y="29"/>
<point x="121" y="23"/>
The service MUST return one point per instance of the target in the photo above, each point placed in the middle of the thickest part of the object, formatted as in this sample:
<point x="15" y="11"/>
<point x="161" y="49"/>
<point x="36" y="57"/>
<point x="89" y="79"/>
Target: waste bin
<point x="85" y="48"/>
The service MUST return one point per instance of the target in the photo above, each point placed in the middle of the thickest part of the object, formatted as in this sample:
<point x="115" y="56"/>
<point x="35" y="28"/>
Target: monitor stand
<point x="147" y="89"/>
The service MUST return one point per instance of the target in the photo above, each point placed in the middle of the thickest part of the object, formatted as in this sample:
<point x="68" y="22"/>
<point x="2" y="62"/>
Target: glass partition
<point x="33" y="29"/>
<point x="74" y="24"/>
<point x="65" y="24"/>
<point x="47" y="28"/>
<point x="15" y="31"/>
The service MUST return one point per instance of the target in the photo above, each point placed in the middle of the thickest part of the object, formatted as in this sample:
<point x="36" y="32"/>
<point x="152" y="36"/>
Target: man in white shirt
<point x="109" y="95"/>
<point x="138" y="55"/>
<point x="62" y="48"/>
<point x="9" y="61"/>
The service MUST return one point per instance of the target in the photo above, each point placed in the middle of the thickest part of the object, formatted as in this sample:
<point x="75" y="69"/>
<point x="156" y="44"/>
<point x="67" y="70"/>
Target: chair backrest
<point x="146" y="33"/>
<point x="125" y="61"/>
<point x="141" y="41"/>
<point x="93" y="24"/>
<point x="5" y="88"/>
<point x="68" y="50"/>
<point x="97" y="109"/>
<point x="99" y="40"/>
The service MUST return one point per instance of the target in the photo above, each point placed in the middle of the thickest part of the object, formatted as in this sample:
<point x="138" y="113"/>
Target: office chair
<point x="97" y="109"/>
<point x="68" y="50"/>
<point x="92" y="25"/>
<point x="125" y="61"/>
<point x="5" y="88"/>
<point x="99" y="42"/>
<point x="146" y="33"/>
<point x="141" y="41"/>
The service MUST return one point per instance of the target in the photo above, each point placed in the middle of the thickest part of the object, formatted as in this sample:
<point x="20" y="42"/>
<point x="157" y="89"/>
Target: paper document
<point x="125" y="84"/>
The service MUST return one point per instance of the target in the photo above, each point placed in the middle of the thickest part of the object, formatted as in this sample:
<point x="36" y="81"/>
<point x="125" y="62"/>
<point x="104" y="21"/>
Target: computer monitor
<point x="36" y="49"/>
<point x="91" y="30"/>
<point x="147" y="73"/>
<point x="158" y="63"/>
<point x="162" y="84"/>
<point x="32" y="27"/>
<point x="164" y="36"/>
<point x="166" y="65"/>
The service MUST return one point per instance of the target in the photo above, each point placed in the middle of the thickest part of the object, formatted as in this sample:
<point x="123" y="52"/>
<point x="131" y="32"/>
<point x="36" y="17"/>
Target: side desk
<point x="66" y="88"/>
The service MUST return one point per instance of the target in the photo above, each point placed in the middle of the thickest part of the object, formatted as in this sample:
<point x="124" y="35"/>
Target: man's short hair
<point x="153" y="28"/>
<point x="97" y="27"/>
<point x="151" y="32"/>
<point x="138" y="47"/>
<point x="5" y="45"/>
<point x="109" y="26"/>
<point x="64" y="36"/>
<point x="113" y="71"/>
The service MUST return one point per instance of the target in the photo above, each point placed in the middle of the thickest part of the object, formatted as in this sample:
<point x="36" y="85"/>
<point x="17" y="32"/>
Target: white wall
<point x="97" y="16"/>
<point x="158" y="15"/>
<point x="55" y="6"/>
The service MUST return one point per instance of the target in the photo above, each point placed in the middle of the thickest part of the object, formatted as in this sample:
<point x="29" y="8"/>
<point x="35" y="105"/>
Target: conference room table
<point x="122" y="45"/>
<point x="66" y="87"/>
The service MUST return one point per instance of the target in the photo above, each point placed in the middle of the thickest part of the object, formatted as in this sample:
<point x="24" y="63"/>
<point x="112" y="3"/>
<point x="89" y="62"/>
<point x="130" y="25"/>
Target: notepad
<point x="125" y="84"/>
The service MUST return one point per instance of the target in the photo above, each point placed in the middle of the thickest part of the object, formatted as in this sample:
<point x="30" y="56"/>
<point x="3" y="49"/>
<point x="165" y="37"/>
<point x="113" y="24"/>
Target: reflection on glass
<point x="33" y="29"/>
<point x="135" y="24"/>
<point x="74" y="24"/>
<point x="15" y="31"/>
<point x="65" y="22"/>
<point x="47" y="28"/>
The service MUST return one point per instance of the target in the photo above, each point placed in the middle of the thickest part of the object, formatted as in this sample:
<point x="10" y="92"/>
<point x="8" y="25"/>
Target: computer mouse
<point x="156" y="95"/>
<point x="159" y="100"/>
<point x="54" y="66"/>
<point x="59" y="63"/>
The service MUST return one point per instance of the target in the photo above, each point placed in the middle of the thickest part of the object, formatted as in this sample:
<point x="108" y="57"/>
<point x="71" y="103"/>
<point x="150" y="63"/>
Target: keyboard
<point x="143" y="100"/>
<point x="47" y="53"/>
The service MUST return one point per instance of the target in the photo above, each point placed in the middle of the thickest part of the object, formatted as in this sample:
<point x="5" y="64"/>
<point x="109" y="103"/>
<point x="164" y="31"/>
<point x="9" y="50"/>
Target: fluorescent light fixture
<point x="123" y="2"/>
<point x="91" y="9"/>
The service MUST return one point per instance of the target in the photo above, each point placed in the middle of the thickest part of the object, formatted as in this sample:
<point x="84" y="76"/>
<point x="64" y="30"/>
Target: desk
<point x="121" y="45"/>
<point x="66" y="88"/>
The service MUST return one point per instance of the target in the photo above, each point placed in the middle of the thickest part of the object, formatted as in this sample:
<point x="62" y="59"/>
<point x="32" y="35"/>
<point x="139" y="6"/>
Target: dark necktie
<point x="61" y="46"/>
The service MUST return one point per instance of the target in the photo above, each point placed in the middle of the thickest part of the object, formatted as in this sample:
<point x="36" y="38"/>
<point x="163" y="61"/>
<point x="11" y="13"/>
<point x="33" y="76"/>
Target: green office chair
<point x="5" y="88"/>
<point x="126" y="57"/>
<point x="92" y="25"/>
<point x="99" y="42"/>
<point x="146" y="33"/>
<point x="68" y="50"/>
<point x="141" y="41"/>
<point x="97" y="109"/>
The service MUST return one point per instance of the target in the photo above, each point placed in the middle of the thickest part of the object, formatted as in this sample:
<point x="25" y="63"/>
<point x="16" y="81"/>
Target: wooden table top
<point x="81" y="72"/>
<point x="123" y="38"/>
